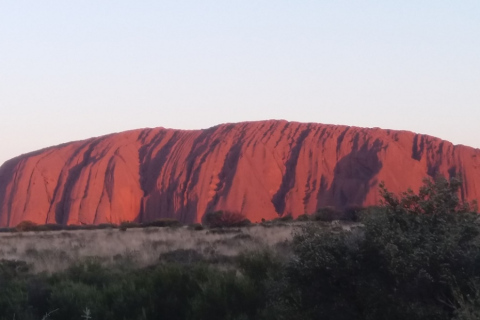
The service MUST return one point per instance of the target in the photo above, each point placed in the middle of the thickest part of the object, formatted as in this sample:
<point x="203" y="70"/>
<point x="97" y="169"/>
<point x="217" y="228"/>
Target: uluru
<point x="263" y="170"/>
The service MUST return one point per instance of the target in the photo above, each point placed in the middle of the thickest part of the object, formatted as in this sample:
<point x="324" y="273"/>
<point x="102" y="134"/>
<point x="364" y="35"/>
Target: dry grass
<point x="52" y="251"/>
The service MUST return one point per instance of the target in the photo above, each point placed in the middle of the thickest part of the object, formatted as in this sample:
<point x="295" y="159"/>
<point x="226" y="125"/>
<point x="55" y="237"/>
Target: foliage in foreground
<point x="415" y="257"/>
<point x="169" y="291"/>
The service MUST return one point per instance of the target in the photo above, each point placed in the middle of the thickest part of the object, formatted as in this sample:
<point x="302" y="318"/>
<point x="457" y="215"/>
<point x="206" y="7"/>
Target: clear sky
<point x="74" y="69"/>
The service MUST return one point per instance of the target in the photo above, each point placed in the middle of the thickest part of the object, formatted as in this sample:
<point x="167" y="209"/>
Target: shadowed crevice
<point x="288" y="179"/>
<point x="60" y="183"/>
<point x="433" y="168"/>
<point x="353" y="177"/>
<point x="150" y="167"/>
<point x="8" y="176"/>
<point x="61" y="212"/>
<point x="201" y="147"/>
<point x="418" y="147"/>
<point x="282" y="133"/>
<point x="193" y="175"/>
<point x="340" y="138"/>
<point x="227" y="173"/>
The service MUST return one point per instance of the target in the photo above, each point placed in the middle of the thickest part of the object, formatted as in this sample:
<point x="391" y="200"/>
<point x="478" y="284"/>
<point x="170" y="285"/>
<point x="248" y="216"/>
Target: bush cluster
<point x="188" y="290"/>
<point x="27" y="225"/>
<point x="416" y="257"/>
<point x="217" y="219"/>
<point x="225" y="219"/>
<point x="330" y="213"/>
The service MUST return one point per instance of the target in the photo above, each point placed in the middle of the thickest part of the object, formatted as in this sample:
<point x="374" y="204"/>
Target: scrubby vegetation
<point x="417" y="256"/>
<point x="32" y="226"/>
<point x="54" y="251"/>
<point x="228" y="219"/>
<point x="216" y="219"/>
<point x="172" y="273"/>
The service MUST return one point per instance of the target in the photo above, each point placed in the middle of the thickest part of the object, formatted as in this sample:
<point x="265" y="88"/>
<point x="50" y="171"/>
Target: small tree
<point x="416" y="257"/>
<point x="219" y="219"/>
<point x="327" y="214"/>
<point x="434" y="197"/>
<point x="26" y="225"/>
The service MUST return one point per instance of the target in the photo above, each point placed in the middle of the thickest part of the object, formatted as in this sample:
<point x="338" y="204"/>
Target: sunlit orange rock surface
<point x="262" y="169"/>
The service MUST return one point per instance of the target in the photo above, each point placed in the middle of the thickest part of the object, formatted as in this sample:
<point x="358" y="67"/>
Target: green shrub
<point x="285" y="218"/>
<point x="228" y="219"/>
<point x="106" y="226"/>
<point x="124" y="225"/>
<point x="196" y="227"/>
<point x="352" y="213"/>
<point x="416" y="257"/>
<point x="182" y="256"/>
<point x="70" y="298"/>
<point x="164" y="222"/>
<point x="13" y="292"/>
<point x="80" y="227"/>
<point x="304" y="217"/>
<point x="327" y="214"/>
<point x="49" y="227"/>
<point x="12" y="269"/>
<point x="26" y="225"/>
<point x="259" y="265"/>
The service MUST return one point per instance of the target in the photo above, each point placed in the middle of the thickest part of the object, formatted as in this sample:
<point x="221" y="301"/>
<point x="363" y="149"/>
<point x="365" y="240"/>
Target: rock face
<point x="261" y="169"/>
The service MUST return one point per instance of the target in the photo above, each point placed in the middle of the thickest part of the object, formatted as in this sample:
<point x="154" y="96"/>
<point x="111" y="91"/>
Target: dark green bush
<point x="196" y="227"/>
<point x="259" y="265"/>
<point x="124" y="225"/>
<point x="26" y="225"/>
<point x="12" y="269"/>
<point x="166" y="291"/>
<point x="13" y="292"/>
<point x="182" y="256"/>
<point x="304" y="217"/>
<point x="80" y="227"/>
<point x="417" y="257"/>
<point x="49" y="227"/>
<point x="286" y="218"/>
<point x="328" y="214"/>
<point x="352" y="213"/>
<point x="106" y="226"/>
<point x="225" y="219"/>
<point x="164" y="222"/>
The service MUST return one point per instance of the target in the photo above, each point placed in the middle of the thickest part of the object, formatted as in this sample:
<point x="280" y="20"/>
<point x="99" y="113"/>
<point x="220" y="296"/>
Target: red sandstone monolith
<point x="261" y="169"/>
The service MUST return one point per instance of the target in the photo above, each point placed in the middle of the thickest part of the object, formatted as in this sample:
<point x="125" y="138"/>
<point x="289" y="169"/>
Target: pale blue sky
<point x="72" y="69"/>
